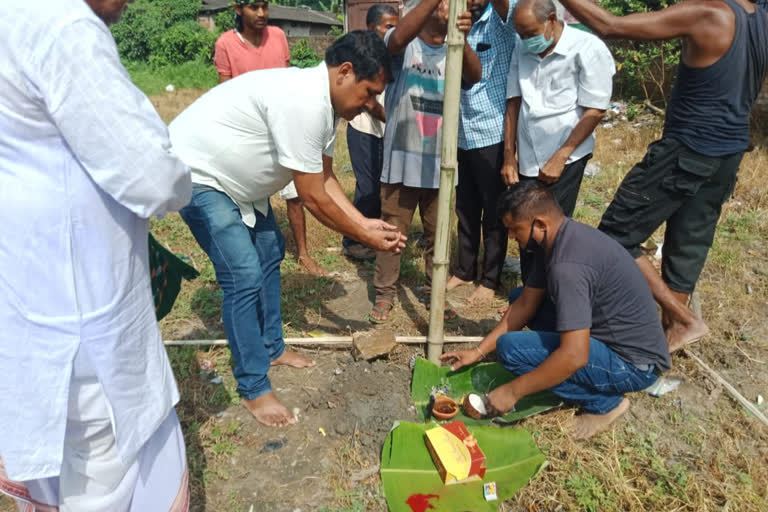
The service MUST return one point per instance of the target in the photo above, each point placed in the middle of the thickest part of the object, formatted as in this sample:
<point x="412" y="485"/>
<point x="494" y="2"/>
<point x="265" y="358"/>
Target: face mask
<point x="537" y="44"/>
<point x="533" y="247"/>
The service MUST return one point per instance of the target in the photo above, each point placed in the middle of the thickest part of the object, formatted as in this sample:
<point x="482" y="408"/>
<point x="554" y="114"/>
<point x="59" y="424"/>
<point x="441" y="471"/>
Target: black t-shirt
<point x="595" y="284"/>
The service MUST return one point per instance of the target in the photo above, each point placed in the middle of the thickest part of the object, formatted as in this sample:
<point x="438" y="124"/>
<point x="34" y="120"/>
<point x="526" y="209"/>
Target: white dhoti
<point x="93" y="477"/>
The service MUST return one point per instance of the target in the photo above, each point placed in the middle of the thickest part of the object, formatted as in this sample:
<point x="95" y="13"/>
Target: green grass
<point x="190" y="75"/>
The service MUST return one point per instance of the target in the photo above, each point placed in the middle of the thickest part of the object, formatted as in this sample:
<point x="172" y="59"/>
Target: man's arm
<point x="109" y="125"/>
<point x="313" y="190"/>
<point x="701" y="21"/>
<point x="518" y="314"/>
<point x="223" y="78"/>
<point x="510" y="171"/>
<point x="410" y="25"/>
<point x="472" y="69"/>
<point x="552" y="170"/>
<point x="333" y="189"/>
<point x="378" y="112"/>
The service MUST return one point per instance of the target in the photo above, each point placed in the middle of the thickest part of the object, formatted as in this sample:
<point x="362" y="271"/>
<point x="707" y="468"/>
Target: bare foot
<point x="455" y="282"/>
<point x="481" y="295"/>
<point x="312" y="266"/>
<point x="586" y="425"/>
<point x="294" y="360"/>
<point x="268" y="410"/>
<point x="679" y="335"/>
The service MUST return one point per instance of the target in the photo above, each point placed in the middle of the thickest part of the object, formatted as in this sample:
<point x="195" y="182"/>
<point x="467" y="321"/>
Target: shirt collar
<point x="567" y="40"/>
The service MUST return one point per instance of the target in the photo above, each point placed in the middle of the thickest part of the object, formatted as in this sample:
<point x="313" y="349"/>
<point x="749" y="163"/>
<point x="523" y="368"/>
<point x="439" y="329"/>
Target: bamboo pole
<point x="448" y="168"/>
<point x="340" y="341"/>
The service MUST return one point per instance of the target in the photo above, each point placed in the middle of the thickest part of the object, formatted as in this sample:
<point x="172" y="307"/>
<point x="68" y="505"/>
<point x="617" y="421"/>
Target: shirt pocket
<point x="562" y="90"/>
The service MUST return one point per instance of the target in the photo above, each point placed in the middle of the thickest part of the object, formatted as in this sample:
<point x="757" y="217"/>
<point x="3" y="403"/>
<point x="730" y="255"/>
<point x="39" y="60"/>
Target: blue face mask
<point x="537" y="44"/>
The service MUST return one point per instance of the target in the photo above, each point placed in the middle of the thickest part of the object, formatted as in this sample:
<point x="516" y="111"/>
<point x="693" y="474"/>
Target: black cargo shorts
<point x="686" y="189"/>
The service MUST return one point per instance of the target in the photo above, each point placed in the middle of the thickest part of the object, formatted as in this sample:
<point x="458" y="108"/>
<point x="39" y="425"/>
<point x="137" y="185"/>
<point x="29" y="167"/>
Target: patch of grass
<point x="190" y="75"/>
<point x="589" y="492"/>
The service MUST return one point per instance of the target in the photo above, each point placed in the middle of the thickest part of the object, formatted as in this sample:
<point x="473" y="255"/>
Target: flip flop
<point x="381" y="309"/>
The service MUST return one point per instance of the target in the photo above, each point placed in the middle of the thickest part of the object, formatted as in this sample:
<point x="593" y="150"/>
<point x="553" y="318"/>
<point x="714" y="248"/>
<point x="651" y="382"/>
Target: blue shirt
<point x="483" y="106"/>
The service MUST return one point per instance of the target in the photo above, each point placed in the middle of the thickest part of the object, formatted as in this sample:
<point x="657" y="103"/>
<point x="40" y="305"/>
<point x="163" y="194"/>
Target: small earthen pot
<point x="474" y="406"/>
<point x="445" y="408"/>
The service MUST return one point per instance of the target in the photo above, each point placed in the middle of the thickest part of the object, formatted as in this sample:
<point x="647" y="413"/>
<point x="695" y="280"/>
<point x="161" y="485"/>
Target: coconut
<point x="474" y="406"/>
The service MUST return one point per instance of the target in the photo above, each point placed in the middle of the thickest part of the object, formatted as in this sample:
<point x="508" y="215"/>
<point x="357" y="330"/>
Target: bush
<point x="149" y="27"/>
<point x="303" y="55"/>
<point x="645" y="69"/>
<point x="224" y="21"/>
<point x="182" y="42"/>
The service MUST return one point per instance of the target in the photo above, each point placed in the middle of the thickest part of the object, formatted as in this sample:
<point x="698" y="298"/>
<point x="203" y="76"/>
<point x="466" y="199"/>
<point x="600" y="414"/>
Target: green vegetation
<point x="153" y="79"/>
<point x="303" y="55"/>
<point x="644" y="69"/>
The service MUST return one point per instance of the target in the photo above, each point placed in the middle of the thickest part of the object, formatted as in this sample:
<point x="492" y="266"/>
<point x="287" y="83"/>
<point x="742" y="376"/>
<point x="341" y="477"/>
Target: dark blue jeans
<point x="247" y="263"/>
<point x="366" y="153"/>
<point x="597" y="388"/>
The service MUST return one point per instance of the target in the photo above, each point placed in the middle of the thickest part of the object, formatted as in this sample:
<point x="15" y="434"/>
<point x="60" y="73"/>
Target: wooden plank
<point x="340" y="341"/>
<point x="729" y="388"/>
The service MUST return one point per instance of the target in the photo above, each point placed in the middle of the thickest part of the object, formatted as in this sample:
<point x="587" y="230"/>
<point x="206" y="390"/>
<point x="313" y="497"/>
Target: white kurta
<point x="84" y="162"/>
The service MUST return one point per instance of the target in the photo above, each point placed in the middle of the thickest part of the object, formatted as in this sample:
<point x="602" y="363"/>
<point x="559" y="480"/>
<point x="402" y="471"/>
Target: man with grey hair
<point x="559" y="86"/>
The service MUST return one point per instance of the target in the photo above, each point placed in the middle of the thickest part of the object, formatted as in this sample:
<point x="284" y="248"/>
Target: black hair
<point x="365" y="50"/>
<point x="526" y="199"/>
<point x="377" y="11"/>
<point x="238" y="18"/>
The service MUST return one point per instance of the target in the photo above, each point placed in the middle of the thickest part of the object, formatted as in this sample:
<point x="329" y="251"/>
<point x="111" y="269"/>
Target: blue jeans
<point x="597" y="388"/>
<point x="247" y="263"/>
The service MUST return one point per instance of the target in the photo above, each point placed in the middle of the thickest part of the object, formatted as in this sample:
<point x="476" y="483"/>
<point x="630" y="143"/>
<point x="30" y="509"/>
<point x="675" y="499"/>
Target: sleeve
<point x="221" y="57"/>
<point x="331" y="146"/>
<point x="109" y="125"/>
<point x="513" y="77"/>
<point x="595" y="76"/>
<point x="571" y="287"/>
<point x="300" y="144"/>
<point x="396" y="61"/>
<point x="286" y="49"/>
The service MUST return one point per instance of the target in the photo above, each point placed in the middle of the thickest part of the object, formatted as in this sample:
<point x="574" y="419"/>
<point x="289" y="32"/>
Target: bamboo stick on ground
<point x="448" y="166"/>
<point x="341" y="341"/>
<point x="729" y="388"/>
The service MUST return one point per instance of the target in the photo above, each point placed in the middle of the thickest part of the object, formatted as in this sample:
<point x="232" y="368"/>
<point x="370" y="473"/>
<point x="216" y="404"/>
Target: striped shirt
<point x="483" y="106"/>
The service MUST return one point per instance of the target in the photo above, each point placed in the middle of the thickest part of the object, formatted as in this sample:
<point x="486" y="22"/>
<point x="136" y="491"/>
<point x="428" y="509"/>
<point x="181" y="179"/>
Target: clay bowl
<point x="473" y="406"/>
<point x="445" y="408"/>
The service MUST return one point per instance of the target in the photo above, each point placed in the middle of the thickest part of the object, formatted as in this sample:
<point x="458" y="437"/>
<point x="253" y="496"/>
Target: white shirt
<point x="555" y="90"/>
<point x="245" y="137"/>
<point x="366" y="123"/>
<point x="84" y="161"/>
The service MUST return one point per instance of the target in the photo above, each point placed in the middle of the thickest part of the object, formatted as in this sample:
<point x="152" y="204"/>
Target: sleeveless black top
<point x="709" y="107"/>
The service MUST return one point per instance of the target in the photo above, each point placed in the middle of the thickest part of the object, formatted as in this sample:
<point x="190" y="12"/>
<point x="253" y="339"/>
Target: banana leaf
<point x="412" y="484"/>
<point x="478" y="378"/>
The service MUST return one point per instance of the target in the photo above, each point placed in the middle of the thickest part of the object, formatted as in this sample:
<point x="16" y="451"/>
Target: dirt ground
<point x="691" y="450"/>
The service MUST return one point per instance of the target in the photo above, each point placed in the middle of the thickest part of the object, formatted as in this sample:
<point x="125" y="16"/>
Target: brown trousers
<point x="398" y="204"/>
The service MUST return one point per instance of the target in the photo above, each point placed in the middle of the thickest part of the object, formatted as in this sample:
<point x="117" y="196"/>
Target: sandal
<point x="380" y="309"/>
